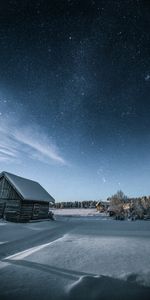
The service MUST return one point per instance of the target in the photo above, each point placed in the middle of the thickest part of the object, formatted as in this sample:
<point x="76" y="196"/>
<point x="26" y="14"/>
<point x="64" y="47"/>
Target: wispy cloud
<point x="18" y="142"/>
<point x="5" y="151"/>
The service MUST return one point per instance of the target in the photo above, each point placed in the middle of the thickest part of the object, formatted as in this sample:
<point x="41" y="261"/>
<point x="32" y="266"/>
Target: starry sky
<point x="75" y="95"/>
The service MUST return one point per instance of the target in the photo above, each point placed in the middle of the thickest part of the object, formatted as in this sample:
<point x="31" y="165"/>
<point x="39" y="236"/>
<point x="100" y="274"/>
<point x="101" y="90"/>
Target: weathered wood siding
<point x="26" y="211"/>
<point x="12" y="210"/>
<point x="40" y="210"/>
<point x="44" y="209"/>
<point x="2" y="209"/>
<point x="7" y="191"/>
<point x="33" y="210"/>
<point x="10" y="201"/>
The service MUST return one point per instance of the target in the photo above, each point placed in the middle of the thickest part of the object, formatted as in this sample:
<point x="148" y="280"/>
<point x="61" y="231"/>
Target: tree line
<point x="121" y="207"/>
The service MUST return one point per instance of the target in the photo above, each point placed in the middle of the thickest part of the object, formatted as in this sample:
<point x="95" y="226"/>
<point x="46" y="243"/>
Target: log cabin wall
<point x="40" y="210"/>
<point x="10" y="201"/>
<point x="26" y="211"/>
<point x="32" y="210"/>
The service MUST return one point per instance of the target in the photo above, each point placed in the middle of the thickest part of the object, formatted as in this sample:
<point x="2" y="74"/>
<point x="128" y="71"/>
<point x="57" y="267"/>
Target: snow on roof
<point x="28" y="189"/>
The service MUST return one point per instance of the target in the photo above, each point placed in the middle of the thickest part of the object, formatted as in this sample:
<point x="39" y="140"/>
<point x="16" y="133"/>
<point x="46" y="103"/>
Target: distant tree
<point x="141" y="207"/>
<point x="117" y="198"/>
<point x="117" y="202"/>
<point x="120" y="196"/>
<point x="145" y="202"/>
<point x="137" y="209"/>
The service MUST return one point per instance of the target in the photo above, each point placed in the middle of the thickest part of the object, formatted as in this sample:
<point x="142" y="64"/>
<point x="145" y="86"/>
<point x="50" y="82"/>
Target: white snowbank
<point x="102" y="287"/>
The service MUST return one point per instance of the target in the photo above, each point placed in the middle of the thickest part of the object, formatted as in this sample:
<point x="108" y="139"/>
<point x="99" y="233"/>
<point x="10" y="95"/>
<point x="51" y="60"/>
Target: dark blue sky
<point x="75" y="95"/>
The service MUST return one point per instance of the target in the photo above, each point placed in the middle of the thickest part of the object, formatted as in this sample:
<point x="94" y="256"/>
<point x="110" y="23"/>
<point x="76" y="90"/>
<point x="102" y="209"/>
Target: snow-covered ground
<point x="95" y="258"/>
<point x="114" y="248"/>
<point x="77" y="212"/>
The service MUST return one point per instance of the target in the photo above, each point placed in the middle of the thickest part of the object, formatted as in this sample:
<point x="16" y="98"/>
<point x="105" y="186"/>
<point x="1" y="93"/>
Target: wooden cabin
<point x="22" y="200"/>
<point x="102" y="206"/>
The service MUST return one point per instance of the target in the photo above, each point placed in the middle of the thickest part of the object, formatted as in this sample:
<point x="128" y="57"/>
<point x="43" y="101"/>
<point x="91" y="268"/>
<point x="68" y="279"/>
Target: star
<point x="72" y="74"/>
<point x="104" y="180"/>
<point x="147" y="77"/>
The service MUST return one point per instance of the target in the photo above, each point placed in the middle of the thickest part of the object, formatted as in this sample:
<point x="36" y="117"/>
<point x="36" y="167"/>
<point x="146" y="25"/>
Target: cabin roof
<point x="27" y="189"/>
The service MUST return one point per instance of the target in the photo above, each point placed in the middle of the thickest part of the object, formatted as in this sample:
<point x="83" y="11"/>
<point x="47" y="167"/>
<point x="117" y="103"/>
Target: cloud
<point x="4" y="151"/>
<point x="17" y="142"/>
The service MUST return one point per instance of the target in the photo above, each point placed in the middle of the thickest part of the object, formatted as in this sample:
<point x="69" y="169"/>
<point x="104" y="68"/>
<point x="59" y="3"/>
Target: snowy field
<point x="95" y="258"/>
<point x="77" y="212"/>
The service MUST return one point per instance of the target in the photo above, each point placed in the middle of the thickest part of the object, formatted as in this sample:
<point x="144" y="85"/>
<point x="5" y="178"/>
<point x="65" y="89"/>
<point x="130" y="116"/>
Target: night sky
<point x="75" y="95"/>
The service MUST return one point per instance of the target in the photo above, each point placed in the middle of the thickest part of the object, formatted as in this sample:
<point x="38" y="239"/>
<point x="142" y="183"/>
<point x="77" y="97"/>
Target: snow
<point x="77" y="212"/>
<point x="4" y="242"/>
<point x="105" y="255"/>
<point x="96" y="258"/>
<point x="23" y="254"/>
<point x="95" y="252"/>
